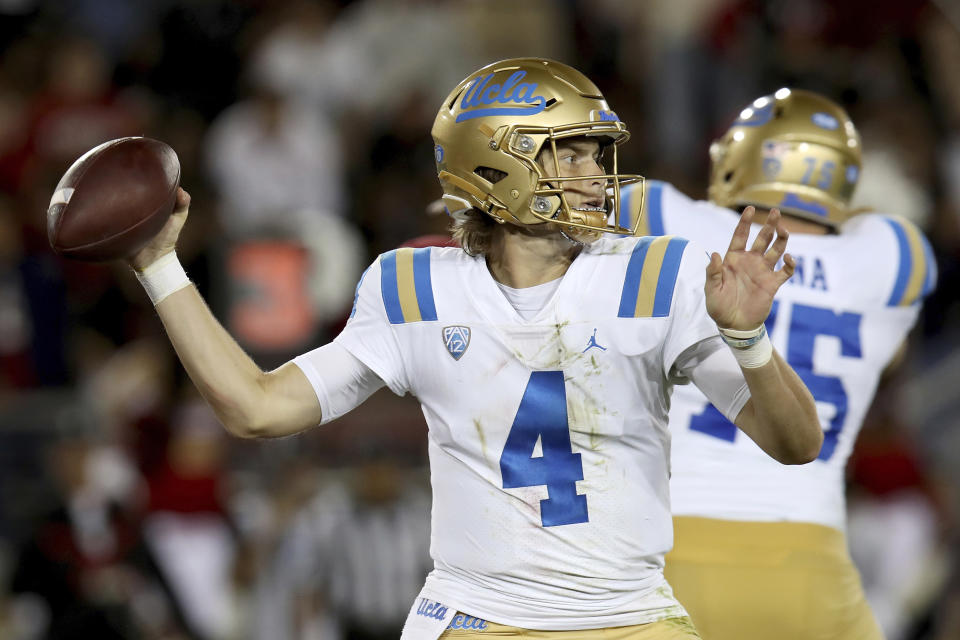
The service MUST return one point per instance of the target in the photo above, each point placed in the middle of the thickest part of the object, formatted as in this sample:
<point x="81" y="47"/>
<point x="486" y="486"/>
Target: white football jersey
<point x="548" y="438"/>
<point x="838" y="322"/>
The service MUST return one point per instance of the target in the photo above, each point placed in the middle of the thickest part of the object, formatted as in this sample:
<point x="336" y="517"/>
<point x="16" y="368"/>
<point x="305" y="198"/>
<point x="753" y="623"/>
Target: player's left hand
<point x="741" y="285"/>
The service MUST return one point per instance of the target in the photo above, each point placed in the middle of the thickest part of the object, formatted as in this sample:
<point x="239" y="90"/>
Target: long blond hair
<point x="473" y="230"/>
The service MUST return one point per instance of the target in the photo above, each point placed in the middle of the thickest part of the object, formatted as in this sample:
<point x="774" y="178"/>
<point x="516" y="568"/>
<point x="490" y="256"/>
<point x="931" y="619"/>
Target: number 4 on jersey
<point x="543" y="416"/>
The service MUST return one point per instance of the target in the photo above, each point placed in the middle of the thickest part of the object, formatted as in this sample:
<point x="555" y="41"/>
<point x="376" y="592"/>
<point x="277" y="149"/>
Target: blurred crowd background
<point x="303" y="127"/>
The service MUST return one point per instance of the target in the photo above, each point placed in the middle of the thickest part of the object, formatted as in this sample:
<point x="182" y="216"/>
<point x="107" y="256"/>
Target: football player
<point x="759" y="549"/>
<point x="543" y="354"/>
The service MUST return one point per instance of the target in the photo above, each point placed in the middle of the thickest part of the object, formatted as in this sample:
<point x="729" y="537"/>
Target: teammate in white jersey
<point x="543" y="357"/>
<point x="760" y="550"/>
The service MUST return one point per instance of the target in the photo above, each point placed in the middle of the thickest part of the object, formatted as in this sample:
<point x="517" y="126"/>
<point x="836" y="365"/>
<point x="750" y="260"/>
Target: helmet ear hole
<point x="491" y="175"/>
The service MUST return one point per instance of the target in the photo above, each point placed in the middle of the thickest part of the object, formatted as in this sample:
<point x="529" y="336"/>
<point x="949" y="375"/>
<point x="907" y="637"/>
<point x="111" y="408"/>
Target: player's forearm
<point x="781" y="416"/>
<point x="228" y="379"/>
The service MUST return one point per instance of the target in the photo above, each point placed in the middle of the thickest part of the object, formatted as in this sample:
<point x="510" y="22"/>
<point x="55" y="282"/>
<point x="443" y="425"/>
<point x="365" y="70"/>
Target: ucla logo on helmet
<point x="456" y="339"/>
<point x="604" y="115"/>
<point x="482" y="97"/>
<point x="824" y="120"/>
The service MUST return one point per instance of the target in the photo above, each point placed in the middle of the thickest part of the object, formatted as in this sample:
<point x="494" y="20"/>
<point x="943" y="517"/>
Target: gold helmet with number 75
<point x="794" y="150"/>
<point x="500" y="118"/>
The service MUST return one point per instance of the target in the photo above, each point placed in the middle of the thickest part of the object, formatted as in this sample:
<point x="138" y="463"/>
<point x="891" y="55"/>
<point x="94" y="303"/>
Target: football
<point x="113" y="200"/>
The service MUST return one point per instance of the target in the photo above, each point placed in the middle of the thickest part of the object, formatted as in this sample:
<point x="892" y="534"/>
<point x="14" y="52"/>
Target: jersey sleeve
<point x="714" y="370"/>
<point x="340" y="380"/>
<point x="689" y="321"/>
<point x="369" y="334"/>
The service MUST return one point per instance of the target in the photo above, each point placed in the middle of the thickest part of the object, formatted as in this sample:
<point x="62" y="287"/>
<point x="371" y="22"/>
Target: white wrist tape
<point x="751" y="348"/>
<point x="163" y="277"/>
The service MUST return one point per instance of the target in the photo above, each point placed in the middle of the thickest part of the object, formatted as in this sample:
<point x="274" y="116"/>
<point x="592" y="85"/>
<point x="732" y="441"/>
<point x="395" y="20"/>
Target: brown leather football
<point x="113" y="200"/>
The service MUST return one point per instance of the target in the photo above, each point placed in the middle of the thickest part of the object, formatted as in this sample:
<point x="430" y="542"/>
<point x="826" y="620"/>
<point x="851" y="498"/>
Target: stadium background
<point x="303" y="132"/>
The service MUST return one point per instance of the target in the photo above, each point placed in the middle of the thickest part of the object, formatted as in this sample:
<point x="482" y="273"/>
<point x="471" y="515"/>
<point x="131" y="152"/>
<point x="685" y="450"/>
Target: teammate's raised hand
<point x="740" y="286"/>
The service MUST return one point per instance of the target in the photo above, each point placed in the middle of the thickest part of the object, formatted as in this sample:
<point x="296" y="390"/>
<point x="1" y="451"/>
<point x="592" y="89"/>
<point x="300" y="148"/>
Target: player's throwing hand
<point x="741" y="285"/>
<point x="166" y="240"/>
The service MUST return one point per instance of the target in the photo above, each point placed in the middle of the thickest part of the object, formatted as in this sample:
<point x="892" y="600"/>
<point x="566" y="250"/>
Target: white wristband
<point x="752" y="348"/>
<point x="163" y="277"/>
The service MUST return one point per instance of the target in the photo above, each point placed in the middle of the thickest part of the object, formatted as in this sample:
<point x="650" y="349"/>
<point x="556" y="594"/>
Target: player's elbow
<point x="803" y="450"/>
<point x="813" y="448"/>
<point x="247" y="430"/>
<point x="245" y="421"/>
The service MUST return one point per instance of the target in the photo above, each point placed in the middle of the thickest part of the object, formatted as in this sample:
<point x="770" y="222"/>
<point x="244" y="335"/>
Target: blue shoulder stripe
<point x="668" y="277"/>
<point x="356" y="293"/>
<point x="388" y="287"/>
<point x="631" y="283"/>
<point x="424" y="283"/>
<point x="407" y="286"/>
<point x="651" y="277"/>
<point x="917" y="269"/>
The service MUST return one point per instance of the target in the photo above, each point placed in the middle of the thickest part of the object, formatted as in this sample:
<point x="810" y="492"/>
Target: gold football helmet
<point x="794" y="150"/>
<point x="500" y="118"/>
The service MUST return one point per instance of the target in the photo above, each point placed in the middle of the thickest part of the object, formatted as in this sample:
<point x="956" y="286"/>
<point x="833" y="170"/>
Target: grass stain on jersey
<point x="483" y="438"/>
<point x="594" y="439"/>
<point x="594" y="369"/>
<point x="585" y="419"/>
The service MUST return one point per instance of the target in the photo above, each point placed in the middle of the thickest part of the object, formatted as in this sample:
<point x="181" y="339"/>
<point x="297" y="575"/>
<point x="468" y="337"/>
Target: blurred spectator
<point x="200" y="54"/>
<point x="356" y="65"/>
<point x="895" y="526"/>
<point x="297" y="59"/>
<point x="274" y="162"/>
<point x="186" y="529"/>
<point x="83" y="572"/>
<point x="17" y="369"/>
<point x="291" y="260"/>
<point x="117" y="26"/>
<point x="77" y="109"/>
<point x="361" y="551"/>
